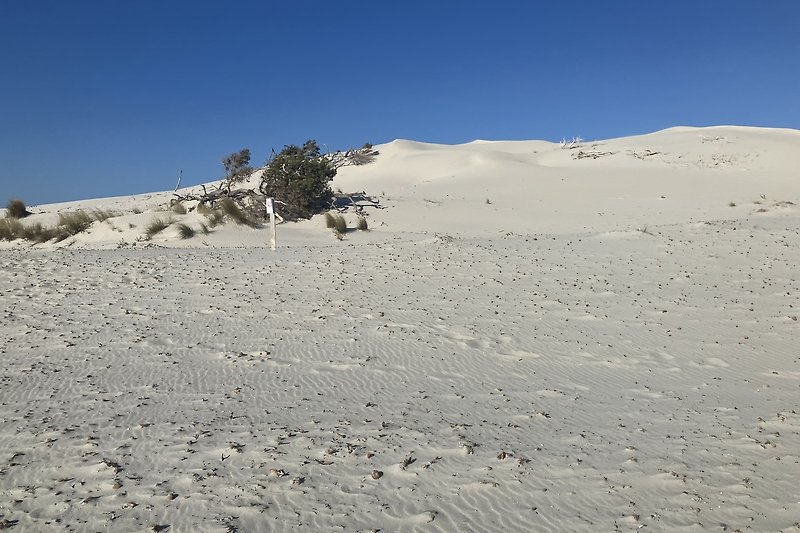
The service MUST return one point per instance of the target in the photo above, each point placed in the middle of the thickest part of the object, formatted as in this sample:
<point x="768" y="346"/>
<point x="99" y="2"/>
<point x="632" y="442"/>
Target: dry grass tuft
<point x="74" y="222"/>
<point x="158" y="225"/>
<point x="16" y="209"/>
<point x="215" y="217"/>
<point x="102" y="214"/>
<point x="178" y="208"/>
<point x="38" y="233"/>
<point x="340" y="225"/>
<point x="185" y="231"/>
<point x="362" y="224"/>
<point x="235" y="213"/>
<point x="10" y="229"/>
<point x="330" y="220"/>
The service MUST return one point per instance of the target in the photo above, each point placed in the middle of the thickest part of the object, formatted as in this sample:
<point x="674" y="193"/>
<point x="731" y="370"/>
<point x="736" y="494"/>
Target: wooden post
<point x="271" y="211"/>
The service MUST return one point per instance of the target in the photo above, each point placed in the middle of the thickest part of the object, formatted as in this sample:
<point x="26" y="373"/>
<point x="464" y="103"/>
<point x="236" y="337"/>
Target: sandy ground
<point x="487" y="377"/>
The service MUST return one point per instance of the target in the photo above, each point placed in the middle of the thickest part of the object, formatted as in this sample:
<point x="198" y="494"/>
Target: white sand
<point x="606" y="345"/>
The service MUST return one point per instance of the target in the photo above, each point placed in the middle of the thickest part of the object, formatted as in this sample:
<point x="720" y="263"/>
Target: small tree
<point x="299" y="177"/>
<point x="237" y="166"/>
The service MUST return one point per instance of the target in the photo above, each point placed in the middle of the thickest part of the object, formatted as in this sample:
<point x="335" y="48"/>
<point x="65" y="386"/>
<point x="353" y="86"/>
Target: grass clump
<point x="731" y="204"/>
<point x="185" y="231"/>
<point x="235" y="213"/>
<point x="362" y="224"/>
<point x="215" y="217"/>
<point x="341" y="224"/>
<point x="337" y="223"/>
<point x="157" y="225"/>
<point x="178" y="208"/>
<point x="38" y="233"/>
<point x="16" y="209"/>
<point x="74" y="222"/>
<point x="204" y="229"/>
<point x="102" y="214"/>
<point x="10" y="229"/>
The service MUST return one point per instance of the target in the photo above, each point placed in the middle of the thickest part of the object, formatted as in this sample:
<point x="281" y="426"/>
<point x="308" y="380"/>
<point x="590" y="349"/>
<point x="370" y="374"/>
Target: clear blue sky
<point x="101" y="98"/>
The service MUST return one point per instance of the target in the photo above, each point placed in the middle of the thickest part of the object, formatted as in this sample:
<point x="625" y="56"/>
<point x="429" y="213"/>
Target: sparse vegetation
<point x="37" y="233"/>
<point x="215" y="217"/>
<point x="16" y="209"/>
<point x="235" y="213"/>
<point x="354" y="156"/>
<point x="178" y="208"/>
<point x="103" y="214"/>
<point x="340" y="224"/>
<point x="185" y="231"/>
<point x="136" y="211"/>
<point x="10" y="229"/>
<point x="74" y="222"/>
<point x="731" y="204"/>
<point x="69" y="224"/>
<point x="157" y="225"/>
<point x="362" y="224"/>
<point x="330" y="220"/>
<point x="204" y="229"/>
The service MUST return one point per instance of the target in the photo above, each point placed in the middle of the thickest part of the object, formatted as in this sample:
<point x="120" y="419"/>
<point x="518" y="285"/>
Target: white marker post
<point x="270" y="202"/>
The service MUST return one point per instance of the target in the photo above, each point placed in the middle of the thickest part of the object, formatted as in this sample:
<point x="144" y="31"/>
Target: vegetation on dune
<point x="236" y="213"/>
<point x="185" y="231"/>
<point x="157" y="225"/>
<point x="10" y="229"/>
<point x="16" y="209"/>
<point x="237" y="166"/>
<point x="75" y="222"/>
<point x="215" y="217"/>
<point x="300" y="178"/>
<point x="69" y="223"/>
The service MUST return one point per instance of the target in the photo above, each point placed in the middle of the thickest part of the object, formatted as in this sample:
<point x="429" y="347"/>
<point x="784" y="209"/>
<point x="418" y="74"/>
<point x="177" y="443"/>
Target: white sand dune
<point x="607" y="344"/>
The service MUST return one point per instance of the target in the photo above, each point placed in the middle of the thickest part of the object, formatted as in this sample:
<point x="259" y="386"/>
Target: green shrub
<point x="185" y="231"/>
<point x="16" y="209"/>
<point x="300" y="178"/>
